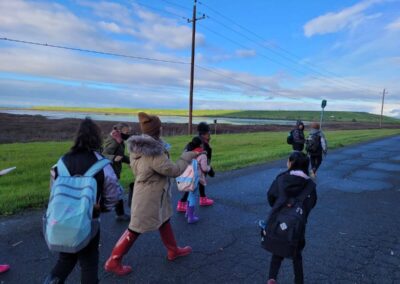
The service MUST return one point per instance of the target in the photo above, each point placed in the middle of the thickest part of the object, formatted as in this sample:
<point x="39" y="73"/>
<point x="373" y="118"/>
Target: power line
<point x="95" y="51"/>
<point x="310" y="68"/>
<point x="136" y="58"/>
<point x="158" y="9"/>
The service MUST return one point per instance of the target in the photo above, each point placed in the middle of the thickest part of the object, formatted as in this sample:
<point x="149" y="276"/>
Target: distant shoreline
<point x="330" y="116"/>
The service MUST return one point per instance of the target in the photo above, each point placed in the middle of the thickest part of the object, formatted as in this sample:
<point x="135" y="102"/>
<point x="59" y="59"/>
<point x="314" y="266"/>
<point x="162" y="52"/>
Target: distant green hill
<point x="333" y="116"/>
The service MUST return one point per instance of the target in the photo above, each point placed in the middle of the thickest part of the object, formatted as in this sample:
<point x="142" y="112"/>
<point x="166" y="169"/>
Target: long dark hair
<point x="88" y="136"/>
<point x="299" y="162"/>
<point x="195" y="143"/>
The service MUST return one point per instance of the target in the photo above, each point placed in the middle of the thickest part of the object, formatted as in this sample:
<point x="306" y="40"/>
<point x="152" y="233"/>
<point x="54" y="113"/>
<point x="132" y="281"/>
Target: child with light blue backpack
<point x="84" y="185"/>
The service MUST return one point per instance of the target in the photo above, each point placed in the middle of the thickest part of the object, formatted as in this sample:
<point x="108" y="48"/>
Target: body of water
<point x="134" y="118"/>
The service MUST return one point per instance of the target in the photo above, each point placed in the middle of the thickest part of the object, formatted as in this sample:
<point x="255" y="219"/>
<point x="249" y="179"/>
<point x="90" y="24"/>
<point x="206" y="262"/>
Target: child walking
<point x="291" y="189"/>
<point x="205" y="136"/>
<point x="204" y="168"/>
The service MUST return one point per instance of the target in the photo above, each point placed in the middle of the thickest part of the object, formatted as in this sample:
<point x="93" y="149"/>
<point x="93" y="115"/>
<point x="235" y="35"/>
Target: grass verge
<point x="28" y="185"/>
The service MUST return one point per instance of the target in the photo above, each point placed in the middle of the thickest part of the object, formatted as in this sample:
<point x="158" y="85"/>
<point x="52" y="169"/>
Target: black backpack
<point x="284" y="231"/>
<point x="290" y="138"/>
<point x="313" y="143"/>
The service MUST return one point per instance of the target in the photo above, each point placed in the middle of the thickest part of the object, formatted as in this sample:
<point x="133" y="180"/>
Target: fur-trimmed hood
<point x="145" y="145"/>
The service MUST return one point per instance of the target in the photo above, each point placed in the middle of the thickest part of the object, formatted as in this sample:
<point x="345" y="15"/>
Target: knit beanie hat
<point x="203" y="128"/>
<point x="149" y="124"/>
<point x="315" y="125"/>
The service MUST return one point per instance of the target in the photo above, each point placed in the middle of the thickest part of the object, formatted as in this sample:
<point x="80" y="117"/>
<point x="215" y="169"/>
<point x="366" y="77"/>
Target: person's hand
<point x="211" y="172"/>
<point x="118" y="158"/>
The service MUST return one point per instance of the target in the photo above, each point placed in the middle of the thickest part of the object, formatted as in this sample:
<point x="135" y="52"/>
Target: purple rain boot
<point x="191" y="218"/>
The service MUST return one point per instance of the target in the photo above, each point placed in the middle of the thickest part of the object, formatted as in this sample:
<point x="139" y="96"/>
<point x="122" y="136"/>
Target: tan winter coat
<point x="151" y="200"/>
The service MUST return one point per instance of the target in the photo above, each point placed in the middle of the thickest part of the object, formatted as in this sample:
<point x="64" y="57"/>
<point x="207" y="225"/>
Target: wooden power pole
<point x="193" y="21"/>
<point x="383" y="102"/>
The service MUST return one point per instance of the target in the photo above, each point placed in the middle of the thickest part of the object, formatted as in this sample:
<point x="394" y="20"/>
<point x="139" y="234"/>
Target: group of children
<point x="152" y="167"/>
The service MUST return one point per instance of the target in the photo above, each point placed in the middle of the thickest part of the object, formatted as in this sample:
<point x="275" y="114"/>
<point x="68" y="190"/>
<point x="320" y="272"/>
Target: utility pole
<point x="193" y="21"/>
<point x="383" y="102"/>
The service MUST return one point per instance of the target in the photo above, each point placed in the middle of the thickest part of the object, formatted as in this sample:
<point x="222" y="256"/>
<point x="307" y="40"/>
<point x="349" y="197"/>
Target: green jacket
<point x="112" y="149"/>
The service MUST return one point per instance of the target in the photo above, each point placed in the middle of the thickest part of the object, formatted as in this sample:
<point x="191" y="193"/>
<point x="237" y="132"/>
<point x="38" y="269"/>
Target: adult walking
<point x="81" y="157"/>
<point x="296" y="137"/>
<point x="316" y="146"/>
<point x="114" y="150"/>
<point x="151" y="202"/>
<point x="205" y="136"/>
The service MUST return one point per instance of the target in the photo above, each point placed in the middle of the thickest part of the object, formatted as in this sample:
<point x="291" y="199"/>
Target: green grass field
<point x="28" y="185"/>
<point x="340" y="116"/>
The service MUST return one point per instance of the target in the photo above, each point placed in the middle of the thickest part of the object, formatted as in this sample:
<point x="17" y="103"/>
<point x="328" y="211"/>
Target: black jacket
<point x="298" y="139"/>
<point x="287" y="186"/>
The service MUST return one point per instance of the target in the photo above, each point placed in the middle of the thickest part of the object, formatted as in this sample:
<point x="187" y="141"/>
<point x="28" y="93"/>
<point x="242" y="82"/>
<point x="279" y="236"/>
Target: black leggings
<point x="88" y="259"/>
<point x="202" y="191"/>
<point x="297" y="267"/>
<point x="315" y="162"/>
<point x="119" y="208"/>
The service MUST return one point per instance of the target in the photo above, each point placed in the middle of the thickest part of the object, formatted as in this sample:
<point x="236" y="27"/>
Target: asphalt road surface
<point x="352" y="234"/>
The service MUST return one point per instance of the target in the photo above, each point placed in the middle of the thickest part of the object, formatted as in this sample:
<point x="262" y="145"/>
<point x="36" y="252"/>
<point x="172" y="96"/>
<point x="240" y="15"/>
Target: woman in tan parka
<point x="151" y="201"/>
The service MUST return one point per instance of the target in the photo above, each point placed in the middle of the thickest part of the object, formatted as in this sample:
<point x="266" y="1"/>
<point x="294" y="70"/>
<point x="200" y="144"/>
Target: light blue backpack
<point x="68" y="224"/>
<point x="189" y="179"/>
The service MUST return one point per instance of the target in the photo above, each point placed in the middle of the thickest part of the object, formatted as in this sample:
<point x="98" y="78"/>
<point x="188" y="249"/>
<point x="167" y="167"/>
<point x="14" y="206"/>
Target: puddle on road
<point x="386" y="166"/>
<point x="358" y="185"/>
<point x="372" y="174"/>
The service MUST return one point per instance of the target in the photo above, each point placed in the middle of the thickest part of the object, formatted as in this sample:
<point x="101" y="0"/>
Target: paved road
<point x="352" y="237"/>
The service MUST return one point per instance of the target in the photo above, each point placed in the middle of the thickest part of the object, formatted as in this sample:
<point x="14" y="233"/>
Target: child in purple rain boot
<point x="195" y="146"/>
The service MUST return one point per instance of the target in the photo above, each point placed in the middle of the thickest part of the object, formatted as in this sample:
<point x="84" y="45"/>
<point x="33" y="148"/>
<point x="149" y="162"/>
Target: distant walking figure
<point x="292" y="195"/>
<point x="151" y="202"/>
<point x="296" y="137"/>
<point x="316" y="145"/>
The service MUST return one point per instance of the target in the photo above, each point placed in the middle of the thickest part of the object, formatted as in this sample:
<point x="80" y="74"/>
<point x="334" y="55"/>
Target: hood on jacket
<point x="315" y="131"/>
<point x="292" y="185"/>
<point x="145" y="145"/>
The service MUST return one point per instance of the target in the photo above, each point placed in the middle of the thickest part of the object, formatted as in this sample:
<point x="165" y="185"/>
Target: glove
<point x="211" y="172"/>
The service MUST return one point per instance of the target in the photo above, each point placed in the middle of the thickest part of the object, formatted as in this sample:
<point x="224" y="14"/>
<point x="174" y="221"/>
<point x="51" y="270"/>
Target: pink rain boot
<point x="4" y="268"/>
<point x="182" y="206"/>
<point x="205" y="201"/>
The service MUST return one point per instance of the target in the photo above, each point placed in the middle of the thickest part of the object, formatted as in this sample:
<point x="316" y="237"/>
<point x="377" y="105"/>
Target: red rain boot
<point x="4" y="268"/>
<point x="182" y="206"/>
<point x="205" y="201"/>
<point x="123" y="245"/>
<point x="168" y="238"/>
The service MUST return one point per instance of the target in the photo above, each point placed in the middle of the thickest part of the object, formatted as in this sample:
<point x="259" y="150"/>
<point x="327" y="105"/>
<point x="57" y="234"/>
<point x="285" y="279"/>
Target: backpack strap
<point x="195" y="165"/>
<point x="96" y="167"/>
<point x="62" y="168"/>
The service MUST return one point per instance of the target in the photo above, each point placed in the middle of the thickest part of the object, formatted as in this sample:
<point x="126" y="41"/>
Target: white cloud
<point x="245" y="53"/>
<point x="348" y="18"/>
<point x="394" y="26"/>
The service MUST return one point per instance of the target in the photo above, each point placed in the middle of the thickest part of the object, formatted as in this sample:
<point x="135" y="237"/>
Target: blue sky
<point x="249" y="54"/>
